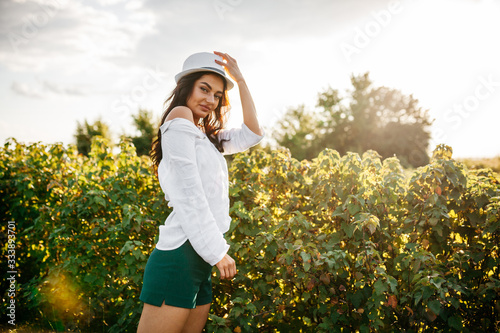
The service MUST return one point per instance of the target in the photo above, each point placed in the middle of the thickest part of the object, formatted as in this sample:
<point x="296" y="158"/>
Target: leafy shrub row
<point x="85" y="228"/>
<point x="337" y="244"/>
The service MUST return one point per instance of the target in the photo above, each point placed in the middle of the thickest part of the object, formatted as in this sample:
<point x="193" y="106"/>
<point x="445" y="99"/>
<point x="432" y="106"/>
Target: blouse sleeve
<point x="186" y="193"/>
<point x="236" y="140"/>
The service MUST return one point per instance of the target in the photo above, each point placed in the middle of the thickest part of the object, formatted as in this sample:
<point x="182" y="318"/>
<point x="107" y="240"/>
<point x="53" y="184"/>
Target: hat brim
<point x="229" y="83"/>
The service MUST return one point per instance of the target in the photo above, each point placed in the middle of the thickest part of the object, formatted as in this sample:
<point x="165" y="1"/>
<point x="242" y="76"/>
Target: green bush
<point x="336" y="244"/>
<point x="85" y="226"/>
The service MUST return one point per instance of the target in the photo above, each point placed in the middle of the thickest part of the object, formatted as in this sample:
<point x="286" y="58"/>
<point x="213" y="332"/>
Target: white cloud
<point x="133" y="5"/>
<point x="109" y="2"/>
<point x="38" y="37"/>
<point x="64" y="89"/>
<point x="47" y="89"/>
<point x="26" y="90"/>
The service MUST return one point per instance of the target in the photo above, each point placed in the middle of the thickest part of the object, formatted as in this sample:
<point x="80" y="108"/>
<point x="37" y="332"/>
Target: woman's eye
<point x="218" y="97"/>
<point x="204" y="89"/>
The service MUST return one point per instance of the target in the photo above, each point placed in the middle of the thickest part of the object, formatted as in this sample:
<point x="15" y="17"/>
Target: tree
<point x="85" y="132"/>
<point x="369" y="118"/>
<point x="298" y="131"/>
<point x="146" y="126"/>
<point x="390" y="122"/>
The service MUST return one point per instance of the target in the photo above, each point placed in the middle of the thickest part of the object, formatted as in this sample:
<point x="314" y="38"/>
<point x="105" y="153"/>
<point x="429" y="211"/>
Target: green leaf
<point x="90" y="278"/>
<point x="353" y="208"/>
<point x="411" y="246"/>
<point x="427" y="292"/>
<point x="307" y="266"/>
<point x="380" y="287"/>
<point x="455" y="322"/>
<point x="455" y="302"/>
<point x="393" y="283"/>
<point x="372" y="223"/>
<point x="348" y="229"/>
<point x="272" y="248"/>
<point x="418" y="297"/>
<point x="305" y="256"/>
<point x="435" y="306"/>
<point x="356" y="298"/>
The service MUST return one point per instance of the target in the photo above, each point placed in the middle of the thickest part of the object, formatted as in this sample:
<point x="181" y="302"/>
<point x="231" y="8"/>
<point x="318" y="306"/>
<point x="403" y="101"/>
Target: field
<point x="337" y="244"/>
<point x="483" y="163"/>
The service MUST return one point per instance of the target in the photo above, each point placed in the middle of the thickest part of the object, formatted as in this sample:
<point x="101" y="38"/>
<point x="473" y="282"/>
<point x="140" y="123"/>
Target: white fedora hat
<point x="203" y="62"/>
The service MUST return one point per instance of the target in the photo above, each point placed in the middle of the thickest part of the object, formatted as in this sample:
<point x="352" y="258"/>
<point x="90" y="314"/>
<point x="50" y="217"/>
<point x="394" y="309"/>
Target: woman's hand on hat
<point x="231" y="66"/>
<point x="227" y="267"/>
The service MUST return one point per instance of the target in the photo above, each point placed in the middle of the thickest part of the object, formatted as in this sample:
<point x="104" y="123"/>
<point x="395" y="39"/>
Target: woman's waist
<point x="175" y="219"/>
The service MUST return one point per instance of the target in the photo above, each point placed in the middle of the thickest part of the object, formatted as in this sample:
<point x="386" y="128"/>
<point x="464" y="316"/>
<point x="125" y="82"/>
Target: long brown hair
<point x="212" y="123"/>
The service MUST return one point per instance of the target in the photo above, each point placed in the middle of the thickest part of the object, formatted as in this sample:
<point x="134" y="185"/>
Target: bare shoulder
<point x="180" y="112"/>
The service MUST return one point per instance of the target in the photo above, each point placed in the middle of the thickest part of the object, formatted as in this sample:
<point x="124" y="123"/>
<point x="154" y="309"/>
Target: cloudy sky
<point x="63" y="61"/>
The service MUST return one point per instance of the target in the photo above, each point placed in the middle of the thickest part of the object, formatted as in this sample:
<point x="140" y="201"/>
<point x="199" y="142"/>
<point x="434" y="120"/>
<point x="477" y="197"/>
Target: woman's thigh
<point x="164" y="319"/>
<point x="197" y="319"/>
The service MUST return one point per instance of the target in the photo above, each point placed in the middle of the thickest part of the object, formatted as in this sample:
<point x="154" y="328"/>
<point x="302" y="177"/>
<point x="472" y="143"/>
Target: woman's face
<point x="206" y="95"/>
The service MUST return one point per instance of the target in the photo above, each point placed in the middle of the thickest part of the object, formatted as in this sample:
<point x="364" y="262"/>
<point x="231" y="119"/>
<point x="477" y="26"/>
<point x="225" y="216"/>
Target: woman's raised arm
<point x="249" y="112"/>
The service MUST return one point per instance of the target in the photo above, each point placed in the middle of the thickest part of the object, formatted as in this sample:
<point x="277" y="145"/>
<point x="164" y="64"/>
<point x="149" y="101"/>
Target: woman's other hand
<point x="227" y="267"/>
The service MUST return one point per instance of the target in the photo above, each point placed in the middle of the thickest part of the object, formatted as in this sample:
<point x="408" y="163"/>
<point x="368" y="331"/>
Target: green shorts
<point x="177" y="277"/>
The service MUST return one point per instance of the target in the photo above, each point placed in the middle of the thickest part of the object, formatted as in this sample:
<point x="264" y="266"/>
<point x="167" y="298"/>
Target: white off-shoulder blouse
<point x="193" y="175"/>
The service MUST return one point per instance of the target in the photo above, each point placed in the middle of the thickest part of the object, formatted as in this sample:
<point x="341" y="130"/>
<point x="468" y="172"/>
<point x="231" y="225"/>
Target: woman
<point x="192" y="172"/>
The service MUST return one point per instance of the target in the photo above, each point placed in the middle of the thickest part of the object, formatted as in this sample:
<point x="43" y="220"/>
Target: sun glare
<point x="62" y="303"/>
